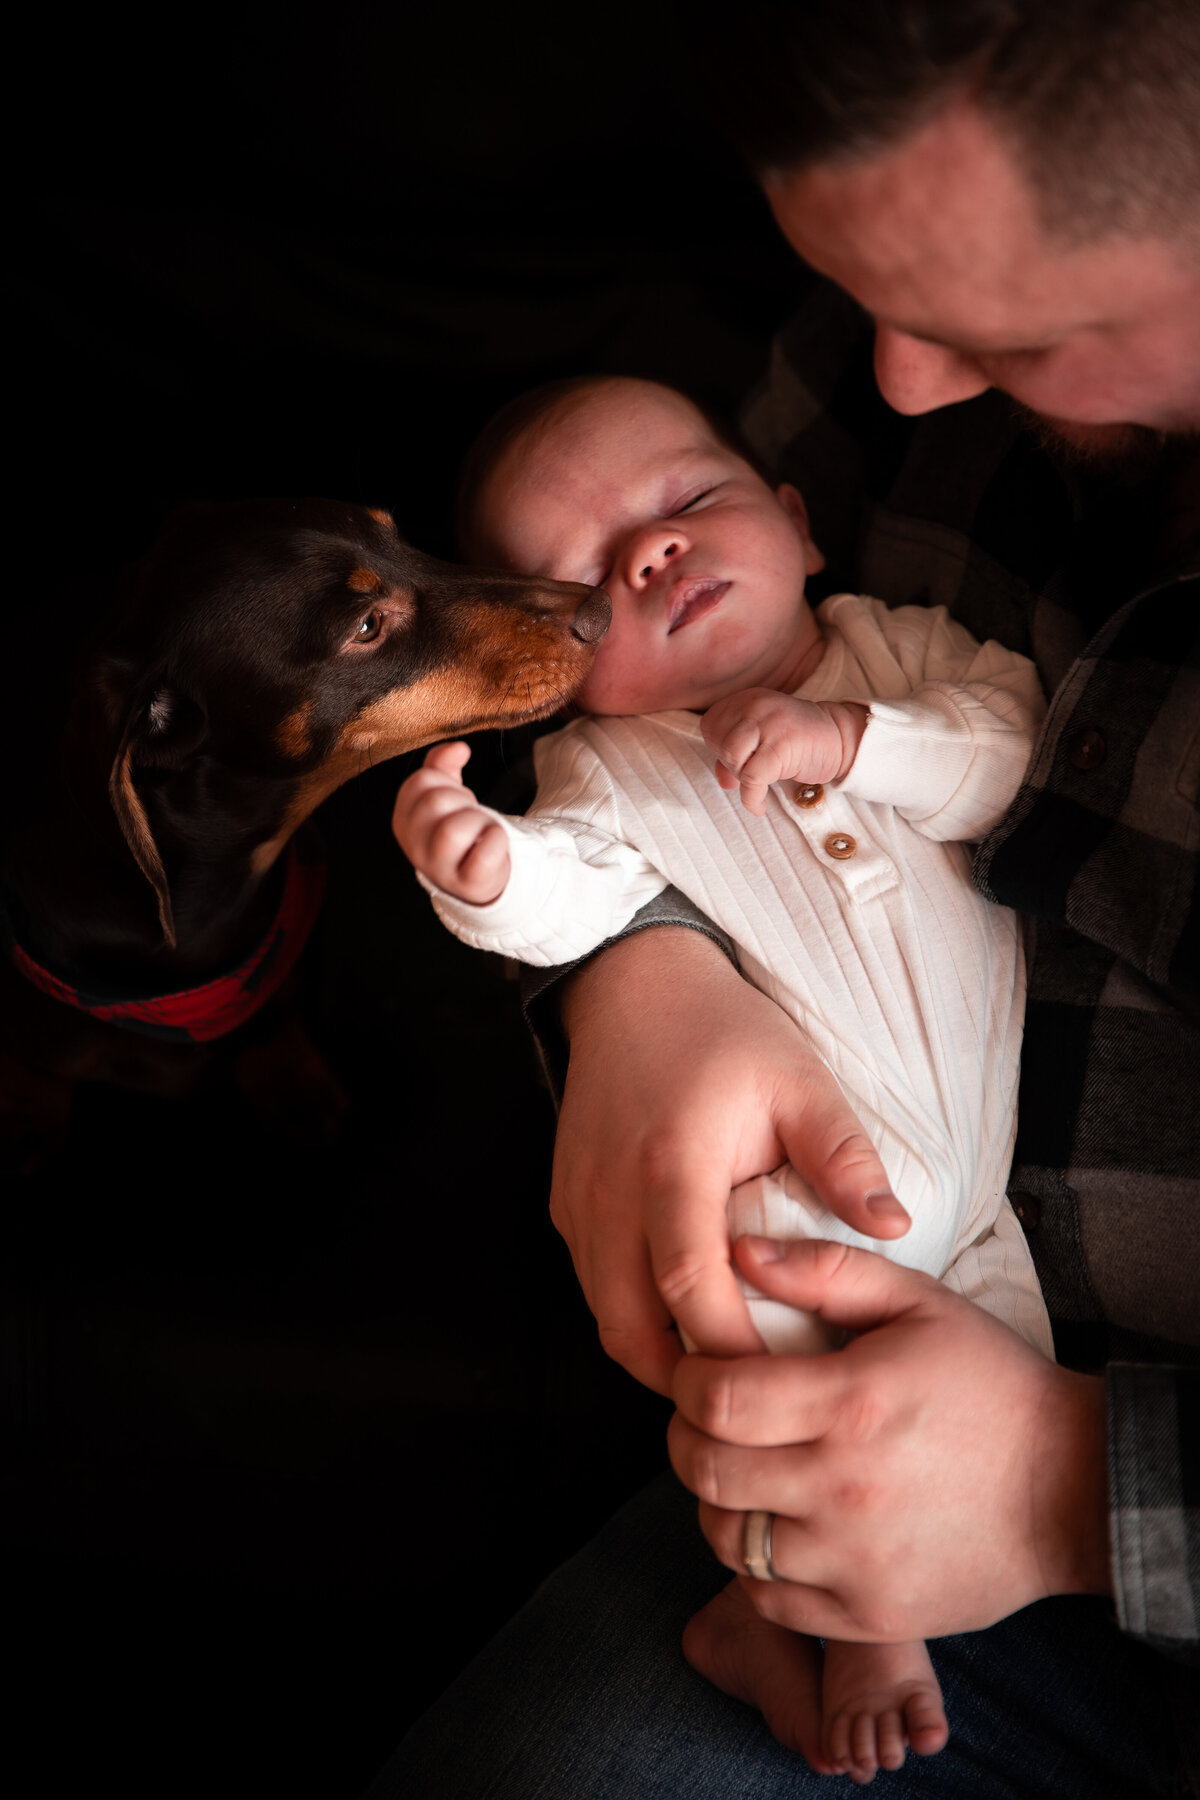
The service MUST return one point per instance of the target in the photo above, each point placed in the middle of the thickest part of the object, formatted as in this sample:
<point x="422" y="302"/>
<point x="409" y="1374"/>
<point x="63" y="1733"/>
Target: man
<point x="1011" y="193"/>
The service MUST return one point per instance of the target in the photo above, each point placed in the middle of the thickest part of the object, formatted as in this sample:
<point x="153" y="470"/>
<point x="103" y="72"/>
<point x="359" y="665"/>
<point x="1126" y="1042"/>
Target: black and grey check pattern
<point x="965" y="508"/>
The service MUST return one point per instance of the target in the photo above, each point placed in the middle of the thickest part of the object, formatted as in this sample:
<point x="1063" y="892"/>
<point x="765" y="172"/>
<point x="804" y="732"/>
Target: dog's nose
<point x="592" y="618"/>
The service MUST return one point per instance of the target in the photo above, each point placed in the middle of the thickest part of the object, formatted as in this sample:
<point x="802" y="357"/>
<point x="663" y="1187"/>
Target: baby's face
<point x="626" y="488"/>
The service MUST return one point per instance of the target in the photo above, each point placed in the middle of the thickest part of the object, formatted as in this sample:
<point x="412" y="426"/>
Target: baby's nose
<point x="654" y="555"/>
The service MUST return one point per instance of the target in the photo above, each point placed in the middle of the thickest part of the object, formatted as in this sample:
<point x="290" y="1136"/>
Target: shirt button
<point x="1028" y="1209"/>
<point x="1087" y="749"/>
<point x="810" y="795"/>
<point x="841" y="845"/>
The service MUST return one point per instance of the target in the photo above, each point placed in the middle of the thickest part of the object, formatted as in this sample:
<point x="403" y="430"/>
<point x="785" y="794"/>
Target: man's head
<point x="629" y="486"/>
<point x="1011" y="188"/>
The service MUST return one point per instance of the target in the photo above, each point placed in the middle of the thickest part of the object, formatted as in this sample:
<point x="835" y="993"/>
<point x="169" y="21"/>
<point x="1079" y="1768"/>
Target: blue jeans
<point x="585" y="1696"/>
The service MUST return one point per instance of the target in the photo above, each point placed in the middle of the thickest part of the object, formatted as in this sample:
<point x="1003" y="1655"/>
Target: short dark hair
<point x="1099" y="99"/>
<point x="536" y="408"/>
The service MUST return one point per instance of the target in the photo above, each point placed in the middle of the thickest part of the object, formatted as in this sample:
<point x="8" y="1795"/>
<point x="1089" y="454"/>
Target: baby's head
<point x="626" y="485"/>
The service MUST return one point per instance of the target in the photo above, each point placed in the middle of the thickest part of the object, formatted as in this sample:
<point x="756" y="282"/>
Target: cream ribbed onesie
<point x="850" y="905"/>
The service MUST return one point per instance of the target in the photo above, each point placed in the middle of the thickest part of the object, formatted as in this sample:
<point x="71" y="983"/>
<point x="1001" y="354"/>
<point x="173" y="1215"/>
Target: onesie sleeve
<point x="574" y="881"/>
<point x="950" y="754"/>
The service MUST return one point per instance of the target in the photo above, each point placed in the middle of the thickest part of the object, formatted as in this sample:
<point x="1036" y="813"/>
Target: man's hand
<point x="446" y="834"/>
<point x="760" y="736"/>
<point x="932" y="1477"/>
<point x="684" y="1080"/>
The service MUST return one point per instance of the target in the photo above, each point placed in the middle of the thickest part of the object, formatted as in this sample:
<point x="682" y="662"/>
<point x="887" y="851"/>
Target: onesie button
<point x="841" y="845"/>
<point x="1028" y="1209"/>
<point x="1087" y="749"/>
<point x="810" y="795"/>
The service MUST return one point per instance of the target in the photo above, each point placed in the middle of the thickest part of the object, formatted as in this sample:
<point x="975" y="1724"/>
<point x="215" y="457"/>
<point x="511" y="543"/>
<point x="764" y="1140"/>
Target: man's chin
<point x="1131" y="451"/>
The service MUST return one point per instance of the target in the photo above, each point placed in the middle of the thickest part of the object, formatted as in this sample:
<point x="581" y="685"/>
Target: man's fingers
<point x="826" y="1144"/>
<point x="754" y="1401"/>
<point x="613" y="1270"/>
<point x="737" y="1481"/>
<point x="852" y="1288"/>
<point x="636" y="1329"/>
<point x="689" y="1257"/>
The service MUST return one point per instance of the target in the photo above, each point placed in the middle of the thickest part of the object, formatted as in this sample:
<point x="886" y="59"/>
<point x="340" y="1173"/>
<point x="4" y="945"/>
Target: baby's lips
<point x="692" y="597"/>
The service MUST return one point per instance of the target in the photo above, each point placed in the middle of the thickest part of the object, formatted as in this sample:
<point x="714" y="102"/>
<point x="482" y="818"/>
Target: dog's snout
<point x="592" y="617"/>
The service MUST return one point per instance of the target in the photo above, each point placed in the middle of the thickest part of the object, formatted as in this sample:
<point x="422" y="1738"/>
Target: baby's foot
<point x="774" y="1670"/>
<point x="875" y="1700"/>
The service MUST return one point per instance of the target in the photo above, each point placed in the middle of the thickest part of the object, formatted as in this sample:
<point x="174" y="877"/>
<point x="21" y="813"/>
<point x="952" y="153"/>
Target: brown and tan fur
<point x="260" y="655"/>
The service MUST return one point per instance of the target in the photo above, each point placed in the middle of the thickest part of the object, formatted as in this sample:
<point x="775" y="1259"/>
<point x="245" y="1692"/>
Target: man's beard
<point x="1129" y="452"/>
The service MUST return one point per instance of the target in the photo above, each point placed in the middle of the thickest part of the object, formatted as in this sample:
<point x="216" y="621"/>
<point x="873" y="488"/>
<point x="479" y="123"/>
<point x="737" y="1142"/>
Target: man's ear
<point x="792" y="502"/>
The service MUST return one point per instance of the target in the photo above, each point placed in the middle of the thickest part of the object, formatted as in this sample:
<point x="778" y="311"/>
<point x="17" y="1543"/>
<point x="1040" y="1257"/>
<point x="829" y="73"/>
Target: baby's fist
<point x="445" y="833"/>
<point x="760" y="736"/>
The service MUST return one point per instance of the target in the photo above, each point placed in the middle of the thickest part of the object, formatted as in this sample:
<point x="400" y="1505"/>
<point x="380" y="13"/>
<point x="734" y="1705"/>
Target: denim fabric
<point x="586" y="1696"/>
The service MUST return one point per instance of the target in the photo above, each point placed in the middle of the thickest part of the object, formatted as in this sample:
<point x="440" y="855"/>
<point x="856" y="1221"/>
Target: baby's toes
<point x="890" y="1739"/>
<point x="835" y="1742"/>
<point x="864" y="1749"/>
<point x="925" y="1722"/>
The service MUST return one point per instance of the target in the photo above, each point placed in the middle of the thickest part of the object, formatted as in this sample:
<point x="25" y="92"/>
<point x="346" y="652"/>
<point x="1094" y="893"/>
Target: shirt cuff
<point x="1153" y="1422"/>
<point x="913" y="755"/>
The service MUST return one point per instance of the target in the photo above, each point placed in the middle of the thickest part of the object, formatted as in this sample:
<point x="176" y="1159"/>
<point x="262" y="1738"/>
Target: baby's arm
<point x="546" y="888"/>
<point x="445" y="833"/>
<point x="760" y="736"/>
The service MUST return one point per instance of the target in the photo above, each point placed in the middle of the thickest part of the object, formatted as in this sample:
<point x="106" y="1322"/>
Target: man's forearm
<point x="545" y="993"/>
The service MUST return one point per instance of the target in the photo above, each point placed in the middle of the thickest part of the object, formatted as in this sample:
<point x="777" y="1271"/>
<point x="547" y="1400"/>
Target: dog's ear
<point x="162" y="729"/>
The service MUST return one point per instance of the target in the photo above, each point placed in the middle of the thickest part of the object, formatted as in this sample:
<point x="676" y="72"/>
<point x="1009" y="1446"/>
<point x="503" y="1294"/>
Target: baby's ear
<point x="792" y="502"/>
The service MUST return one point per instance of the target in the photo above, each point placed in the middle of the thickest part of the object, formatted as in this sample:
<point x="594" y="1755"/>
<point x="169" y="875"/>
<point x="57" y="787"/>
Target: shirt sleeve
<point x="1154" y="1495"/>
<point x="950" y="755"/>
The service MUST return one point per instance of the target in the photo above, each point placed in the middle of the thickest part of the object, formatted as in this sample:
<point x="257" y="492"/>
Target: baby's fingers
<point x="736" y="745"/>
<point x="483" y="872"/>
<point x="467" y="854"/>
<point x="450" y="758"/>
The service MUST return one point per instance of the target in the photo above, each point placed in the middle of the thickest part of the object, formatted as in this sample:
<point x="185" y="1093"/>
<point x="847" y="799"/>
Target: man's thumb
<point x="852" y="1288"/>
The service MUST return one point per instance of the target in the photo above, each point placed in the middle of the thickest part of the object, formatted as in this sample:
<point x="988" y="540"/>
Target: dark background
<point x="286" y="1436"/>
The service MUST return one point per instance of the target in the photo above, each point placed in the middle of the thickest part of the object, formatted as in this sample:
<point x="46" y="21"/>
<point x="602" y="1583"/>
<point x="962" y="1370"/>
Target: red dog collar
<point x="202" y="1013"/>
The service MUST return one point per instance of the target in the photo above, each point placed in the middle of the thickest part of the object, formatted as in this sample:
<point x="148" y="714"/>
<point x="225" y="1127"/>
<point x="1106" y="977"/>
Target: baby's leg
<point x="876" y="1699"/>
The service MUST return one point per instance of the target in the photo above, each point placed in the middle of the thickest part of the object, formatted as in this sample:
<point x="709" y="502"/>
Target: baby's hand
<point x="445" y="833"/>
<point x="761" y="736"/>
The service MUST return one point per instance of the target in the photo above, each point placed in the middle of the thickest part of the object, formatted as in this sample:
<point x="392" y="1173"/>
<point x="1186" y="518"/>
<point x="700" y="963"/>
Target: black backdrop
<point x="286" y="1436"/>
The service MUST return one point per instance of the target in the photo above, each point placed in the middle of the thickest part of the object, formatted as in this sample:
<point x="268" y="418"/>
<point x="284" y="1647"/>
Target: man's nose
<point x="915" y="376"/>
<point x="650" y="551"/>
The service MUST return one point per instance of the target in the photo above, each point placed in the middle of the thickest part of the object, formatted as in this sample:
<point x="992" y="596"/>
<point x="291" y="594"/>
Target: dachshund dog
<point x="157" y="886"/>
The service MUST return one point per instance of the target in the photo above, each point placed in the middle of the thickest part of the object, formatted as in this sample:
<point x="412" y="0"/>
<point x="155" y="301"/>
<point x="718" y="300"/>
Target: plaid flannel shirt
<point x="964" y="508"/>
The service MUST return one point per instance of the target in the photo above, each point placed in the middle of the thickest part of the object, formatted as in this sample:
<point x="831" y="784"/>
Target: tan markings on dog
<point x="292" y="732"/>
<point x="381" y="518"/>
<point x="513" y="666"/>
<point x="364" y="581"/>
<point x="135" y="828"/>
<point x="341" y="766"/>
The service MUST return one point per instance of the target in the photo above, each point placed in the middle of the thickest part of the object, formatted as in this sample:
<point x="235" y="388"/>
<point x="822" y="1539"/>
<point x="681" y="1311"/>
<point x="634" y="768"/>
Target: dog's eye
<point x="369" y="628"/>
